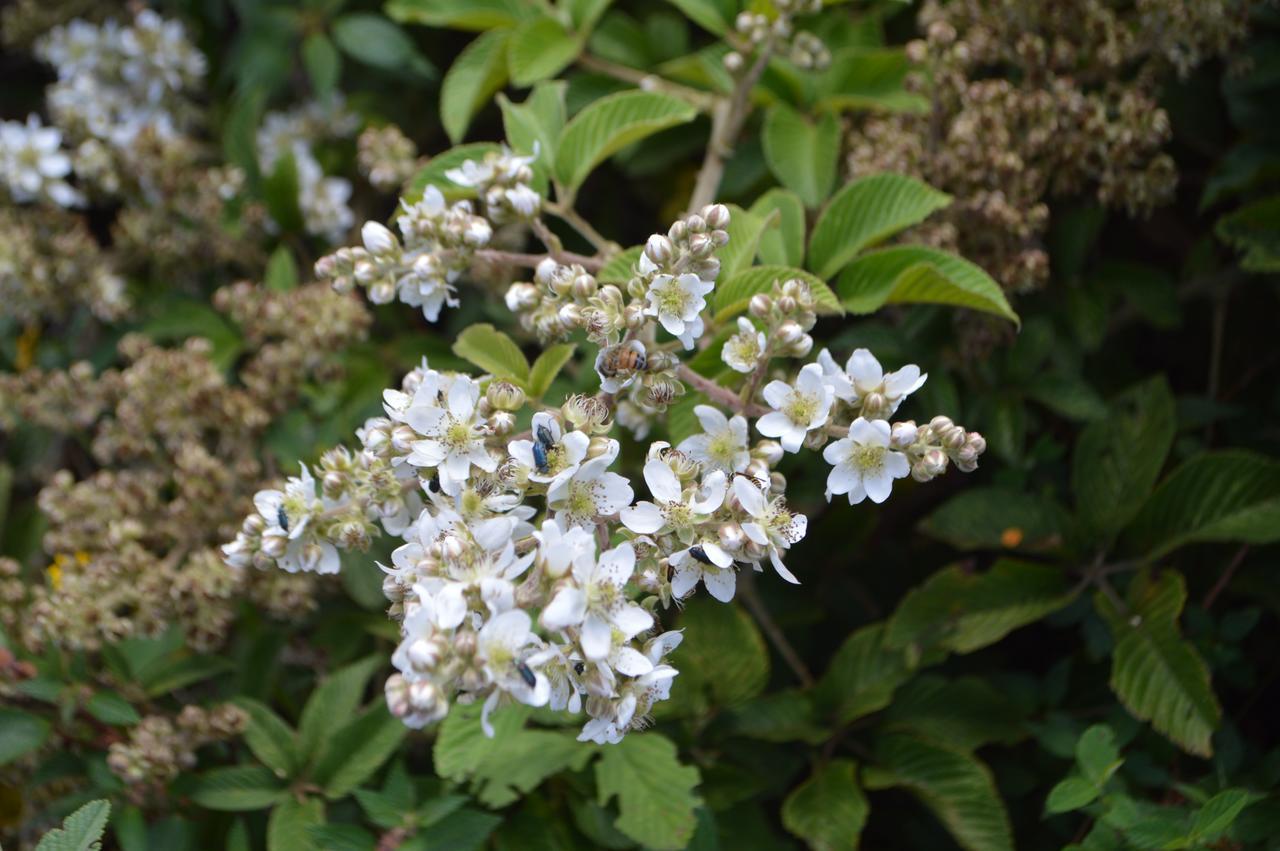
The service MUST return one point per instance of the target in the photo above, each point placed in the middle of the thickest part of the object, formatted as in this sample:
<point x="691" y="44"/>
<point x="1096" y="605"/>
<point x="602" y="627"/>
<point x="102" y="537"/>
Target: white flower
<point x="722" y="445"/>
<point x="288" y="514"/>
<point x="863" y="465"/>
<point x="501" y="647"/>
<point x="595" y="600"/>
<point x="33" y="164"/>
<point x="772" y="527"/>
<point x="673" y="512"/>
<point x="864" y="380"/>
<point x="428" y="285"/>
<point x="486" y="568"/>
<point x="471" y="173"/>
<point x="707" y="562"/>
<point x="742" y="351"/>
<point x="523" y="200"/>
<point x="552" y="457"/>
<point x="377" y="238"/>
<point x="562" y="549"/>
<point x="591" y="492"/>
<point x="796" y="410"/>
<point x="677" y="301"/>
<point x="453" y="441"/>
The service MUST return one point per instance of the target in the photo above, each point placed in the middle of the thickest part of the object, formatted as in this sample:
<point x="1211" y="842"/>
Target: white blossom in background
<point x="33" y="165"/>
<point x="863" y="465"/>
<point x="723" y="443"/>
<point x="322" y="200"/>
<point x="742" y="351"/>
<point x="797" y="409"/>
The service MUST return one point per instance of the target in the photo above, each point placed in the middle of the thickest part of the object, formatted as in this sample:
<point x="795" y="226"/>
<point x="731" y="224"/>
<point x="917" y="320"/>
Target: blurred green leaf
<point x="654" y="791"/>
<point x="474" y="15"/>
<point x="828" y="810"/>
<point x="282" y="271"/>
<point x="608" y="125"/>
<point x="493" y="351"/>
<point x="539" y="49"/>
<point x="868" y="78"/>
<point x="110" y="708"/>
<point x="547" y="367"/>
<point x="732" y="295"/>
<point x="378" y="41"/>
<point x="862" y="677"/>
<point x="782" y="245"/>
<point x="914" y="274"/>
<point x="269" y="738"/>
<point x="997" y="518"/>
<point x="802" y="153"/>
<point x="80" y="831"/>
<point x="20" y="733"/>
<point x="323" y="64"/>
<point x="288" y="828"/>
<point x="478" y="72"/>
<point x="332" y="704"/>
<point x="357" y="749"/>
<point x="236" y="788"/>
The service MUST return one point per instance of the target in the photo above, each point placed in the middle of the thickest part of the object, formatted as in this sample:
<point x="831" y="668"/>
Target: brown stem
<point x="1225" y="578"/>
<point x="599" y="242"/>
<point x="716" y="393"/>
<point x="704" y="101"/>
<point x="751" y="598"/>
<point x="515" y="258"/>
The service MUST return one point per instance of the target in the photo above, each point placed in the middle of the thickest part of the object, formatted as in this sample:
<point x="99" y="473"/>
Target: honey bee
<point x="620" y="359"/>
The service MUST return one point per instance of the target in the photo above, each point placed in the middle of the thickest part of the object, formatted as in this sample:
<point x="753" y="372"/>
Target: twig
<point x="704" y="101"/>
<point x="750" y="597"/>
<point x="1225" y="578"/>
<point x="516" y="258"/>
<point x="748" y="394"/>
<point x="716" y="393"/>
<point x="570" y="216"/>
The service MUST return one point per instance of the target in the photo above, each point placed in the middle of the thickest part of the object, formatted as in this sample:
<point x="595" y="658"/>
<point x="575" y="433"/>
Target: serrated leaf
<point x="378" y="41"/>
<point x="1157" y="675"/>
<point x="1117" y="459"/>
<point x="547" y="367"/>
<point x="732" y="295"/>
<point x="323" y="64"/>
<point x="1070" y="794"/>
<point x="1253" y="230"/>
<point x="866" y="212"/>
<point x="478" y="72"/>
<point x="1220" y="812"/>
<point x="110" y="708"/>
<point x="539" y="49"/>
<point x="783" y="716"/>
<point x="433" y="173"/>
<point x="961" y="611"/>
<point x="270" y="739"/>
<point x="967" y="712"/>
<point x="997" y="518"/>
<point x="288" y="828"/>
<point x="235" y="788"/>
<point x="802" y="153"/>
<point x="332" y="704"/>
<point x="828" y="811"/>
<point x="537" y="123"/>
<point x="654" y="791"/>
<point x="358" y="749"/>
<point x="862" y="676"/>
<point x="869" y="78"/>
<point x="745" y="230"/>
<point x="723" y="656"/>
<point x="341" y="837"/>
<point x="20" y="733"/>
<point x="474" y="15"/>
<point x="955" y="785"/>
<point x="1232" y="495"/>
<point x="493" y="351"/>
<point x="782" y="245"/>
<point x="1097" y="754"/>
<point x="80" y="831"/>
<point x="620" y="267"/>
<point x="611" y="123"/>
<point x="913" y="274"/>
<point x="714" y="16"/>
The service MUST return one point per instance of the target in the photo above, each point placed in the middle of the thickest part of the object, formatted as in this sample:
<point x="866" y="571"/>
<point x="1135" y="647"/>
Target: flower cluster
<point x="501" y="180"/>
<point x="530" y="572"/>
<point x="290" y="137"/>
<point x="159" y="747"/>
<point x="760" y="33"/>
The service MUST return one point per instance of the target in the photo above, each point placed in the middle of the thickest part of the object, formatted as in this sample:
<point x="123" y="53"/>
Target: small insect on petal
<point x="526" y="674"/>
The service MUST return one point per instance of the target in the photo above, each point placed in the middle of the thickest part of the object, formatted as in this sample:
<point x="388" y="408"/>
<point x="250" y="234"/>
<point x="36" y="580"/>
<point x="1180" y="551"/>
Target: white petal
<point x="720" y="583"/>
<point x="567" y="608"/>
<point x="643" y="517"/>
<point x="631" y="662"/>
<point x="662" y="482"/>
<point x="864" y="368"/>
<point x="749" y="495"/>
<point x="596" y="637"/>
<point x="776" y="393"/>
<point x="632" y="620"/>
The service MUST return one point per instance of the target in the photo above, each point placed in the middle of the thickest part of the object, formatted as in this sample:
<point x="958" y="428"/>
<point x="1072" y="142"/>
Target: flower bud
<point x="788" y="333"/>
<point x="402" y="438"/>
<point x="377" y="238"/>
<point x="731" y="536"/>
<point x="570" y="315"/>
<point x="733" y="62"/>
<point x="659" y="249"/>
<point x="700" y="245"/>
<point x="977" y="441"/>
<point x="505" y="396"/>
<point x="598" y="446"/>
<point x="424" y="654"/>
<point x="333" y="484"/>
<point x="760" y="305"/>
<point x="383" y="292"/>
<point x="274" y="545"/>
<point x="903" y="434"/>
<point x="939" y="424"/>
<point x="502" y="422"/>
<point x="521" y="296"/>
<point x="716" y="216"/>
<point x="584" y="286"/>
<point x="678" y="231"/>
<point x="696" y="224"/>
<point x="769" y="451"/>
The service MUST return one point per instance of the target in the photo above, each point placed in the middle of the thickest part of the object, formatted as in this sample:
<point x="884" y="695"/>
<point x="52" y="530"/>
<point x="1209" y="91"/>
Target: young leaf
<point x="493" y="351"/>
<point x="478" y="72"/>
<point x="235" y="788"/>
<point x="955" y="785"/>
<point x="1230" y="495"/>
<point x="20" y="733"/>
<point x="1070" y="794"/>
<point x="282" y="271"/>
<point x="1219" y="812"/>
<point x="280" y="192"/>
<point x="1157" y="675"/>
<point x="547" y="367"/>
<point x="377" y="41"/>
<point x="1097" y="754"/>
<point x="80" y="831"/>
<point x="865" y="212"/>
<point x="913" y="274"/>
<point x="537" y="123"/>
<point x="782" y="245"/>
<point x="473" y="15"/>
<point x="357" y="750"/>
<point x="732" y="295"/>
<point x="745" y="230"/>
<point x="611" y="123"/>
<point x="539" y="49"/>
<point x="110" y="708"/>
<point x="828" y="810"/>
<point x="963" y="612"/>
<point x="290" y="823"/>
<point x="800" y="153"/>
<point x="654" y="791"/>
<point x="332" y="703"/>
<point x="269" y="738"/>
<point x="1117" y="460"/>
<point x="723" y="654"/>
<point x="323" y="64"/>
<point x="862" y="677"/>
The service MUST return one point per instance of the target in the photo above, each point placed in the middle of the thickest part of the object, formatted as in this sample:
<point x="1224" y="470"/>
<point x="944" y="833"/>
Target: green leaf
<point x="289" y="827"/>
<point x="866" y="212"/>
<point x="868" y="78"/>
<point x="732" y="295"/>
<point x="20" y="733"/>
<point x="110" y="708"/>
<point x="962" y="611"/>
<point x="463" y="830"/>
<point x="608" y="125"/>
<point x="862" y="677"/>
<point x="1117" y="459"/>
<point x="269" y="738"/>
<point x="511" y="763"/>
<point x="800" y="153"/>
<point x="913" y="274"/>
<point x="723" y="655"/>
<point x="357" y="750"/>
<point x="1068" y="395"/>
<point x="784" y="244"/>
<point x="474" y="15"/>
<point x="493" y="351"/>
<point x="1070" y="794"/>
<point x="1097" y="754"/>
<point x="955" y="785"/>
<point x="378" y="41"/>
<point x="1157" y="675"/>
<point x="547" y="367"/>
<point x="537" y="123"/>
<point x="539" y="49"/>
<point x="323" y="64"/>
<point x="745" y="230"/>
<point x="341" y="837"/>
<point x="238" y="787"/>
<point x="478" y="72"/>
<point x="966" y="712"/>
<point x="654" y="791"/>
<point x="714" y="16"/>
<point x="621" y="266"/>
<point x="282" y="271"/>
<point x="1220" y="812"/>
<point x="997" y="518"/>
<point x="1254" y="230"/>
<point x="433" y="173"/>
<point x="280" y="192"/>
<point x="1230" y="495"/>
<point x="332" y="704"/>
<point x="584" y="14"/>
<point x="828" y="810"/>
<point x="80" y="831"/>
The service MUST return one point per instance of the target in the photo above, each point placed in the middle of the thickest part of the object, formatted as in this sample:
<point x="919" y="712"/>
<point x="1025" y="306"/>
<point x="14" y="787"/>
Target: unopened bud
<point x="598" y="446"/>
<point x="769" y="451"/>
<point x="659" y="249"/>
<point x="377" y="238"/>
<point x="903" y="434"/>
<point x="731" y="536"/>
<point x="760" y="305"/>
<point x="505" y="396"/>
<point x="716" y="216"/>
